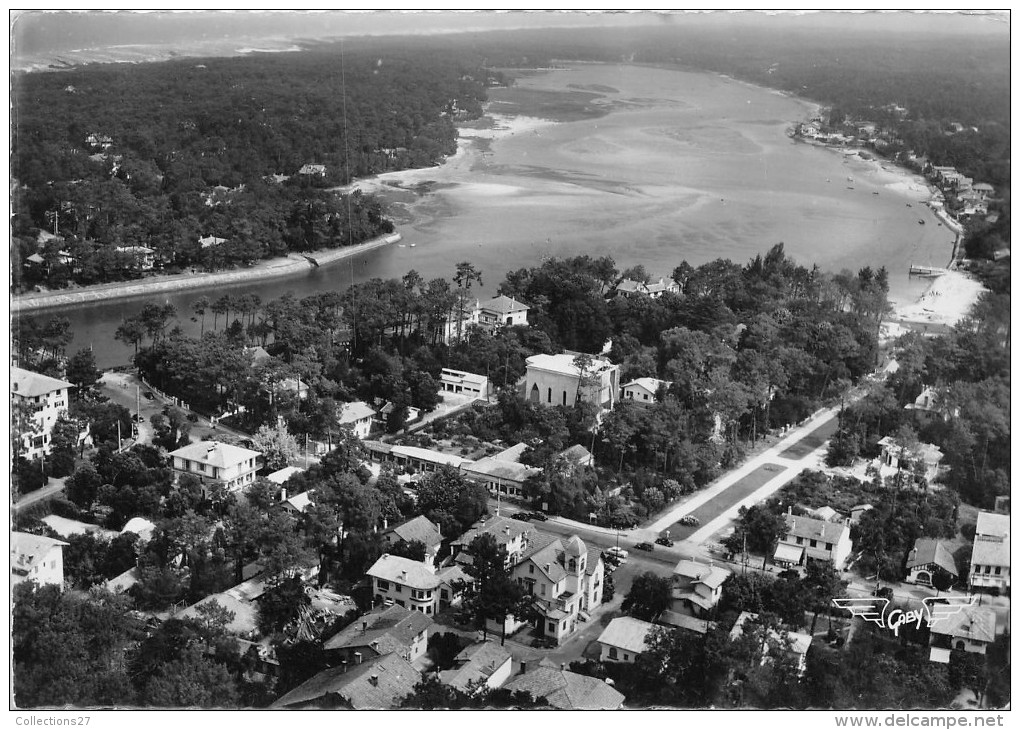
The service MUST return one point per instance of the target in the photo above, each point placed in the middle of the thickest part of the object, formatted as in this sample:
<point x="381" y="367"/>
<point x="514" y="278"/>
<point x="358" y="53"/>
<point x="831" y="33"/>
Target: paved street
<point x="53" y="487"/>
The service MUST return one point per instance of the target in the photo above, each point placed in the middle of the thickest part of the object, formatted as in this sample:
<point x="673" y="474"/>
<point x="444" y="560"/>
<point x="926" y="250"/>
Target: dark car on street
<point x="538" y="516"/>
<point x="523" y="516"/>
<point x="665" y="541"/>
<point x="646" y="546"/>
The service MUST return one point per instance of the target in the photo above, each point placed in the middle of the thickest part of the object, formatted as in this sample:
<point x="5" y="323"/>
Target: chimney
<point x="283" y="494"/>
<point x="385" y="523"/>
<point x="563" y="666"/>
<point x="507" y="529"/>
<point x="374" y="680"/>
<point x="357" y="657"/>
<point x="524" y="667"/>
<point x="403" y="575"/>
<point x="547" y="567"/>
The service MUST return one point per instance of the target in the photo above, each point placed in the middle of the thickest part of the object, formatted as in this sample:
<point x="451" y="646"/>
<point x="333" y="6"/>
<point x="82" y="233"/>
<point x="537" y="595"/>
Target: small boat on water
<point x="413" y="245"/>
<point x="874" y="192"/>
<point x="909" y="205"/>
<point x="921" y="222"/>
<point x="849" y="187"/>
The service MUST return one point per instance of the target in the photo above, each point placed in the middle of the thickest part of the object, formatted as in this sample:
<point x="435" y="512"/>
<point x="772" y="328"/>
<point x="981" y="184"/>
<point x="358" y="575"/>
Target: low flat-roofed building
<point x="461" y="382"/>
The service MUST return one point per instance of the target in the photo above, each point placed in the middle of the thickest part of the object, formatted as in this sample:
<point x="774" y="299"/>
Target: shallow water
<point x="684" y="166"/>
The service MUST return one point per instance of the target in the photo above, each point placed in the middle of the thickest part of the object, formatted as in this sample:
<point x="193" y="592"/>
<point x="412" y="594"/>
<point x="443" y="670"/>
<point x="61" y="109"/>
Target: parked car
<point x="148" y="394"/>
<point x="646" y="546"/>
<point x="523" y="516"/>
<point x="618" y="554"/>
<point x="664" y="541"/>
<point x="688" y="520"/>
<point x="538" y="516"/>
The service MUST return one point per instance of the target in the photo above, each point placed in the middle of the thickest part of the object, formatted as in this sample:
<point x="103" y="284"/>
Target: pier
<point x="927" y="272"/>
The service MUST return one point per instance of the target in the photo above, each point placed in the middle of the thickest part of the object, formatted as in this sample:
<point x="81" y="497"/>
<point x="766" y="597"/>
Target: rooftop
<point x="449" y="374"/>
<point x="992" y="524"/>
<point x="504" y="529"/>
<point x="282" y="475"/>
<point x="563" y="364"/>
<point x="404" y="571"/>
<point x="688" y="623"/>
<point x="566" y="690"/>
<point x="503" y="305"/>
<point x="627" y="633"/>
<point x="29" y="385"/>
<point x="356" y="411"/>
<point x="215" y="453"/>
<point x="927" y="550"/>
<point x="476" y="663"/>
<point x="435" y="457"/>
<point x="376" y="684"/>
<point x="976" y="623"/>
<point x="245" y="617"/>
<point x="990" y="551"/>
<point x="392" y="628"/>
<point x="649" y="384"/>
<point x="496" y="468"/>
<point x="799" y="643"/>
<point x="808" y="527"/>
<point x="66" y="527"/>
<point x="27" y="549"/>
<point x="421" y="528"/>
<point x="709" y="575"/>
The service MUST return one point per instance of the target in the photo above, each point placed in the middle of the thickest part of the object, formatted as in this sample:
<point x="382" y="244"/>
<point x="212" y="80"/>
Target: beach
<point x="948" y="299"/>
<point x="267" y="269"/>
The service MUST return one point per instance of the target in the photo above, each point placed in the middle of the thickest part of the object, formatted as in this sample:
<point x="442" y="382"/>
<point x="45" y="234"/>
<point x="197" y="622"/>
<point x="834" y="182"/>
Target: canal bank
<point x="291" y="264"/>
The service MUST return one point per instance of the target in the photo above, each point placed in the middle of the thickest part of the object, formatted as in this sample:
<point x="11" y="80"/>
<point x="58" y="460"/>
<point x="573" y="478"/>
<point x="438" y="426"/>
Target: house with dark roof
<point x="391" y="629"/>
<point x="502" y="311"/>
<point x="375" y="683"/>
<point x="485" y="664"/>
<point x="811" y="539"/>
<point x="566" y="690"/>
<point x="419" y="529"/>
<point x="928" y="558"/>
<point x="501" y="476"/>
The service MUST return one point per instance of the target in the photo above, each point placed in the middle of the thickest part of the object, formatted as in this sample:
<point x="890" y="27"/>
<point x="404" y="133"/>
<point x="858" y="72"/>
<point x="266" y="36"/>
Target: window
<point x="444" y="595"/>
<point x="998" y="571"/>
<point x="612" y="652"/>
<point x="626" y="657"/>
<point x="800" y="540"/>
<point x="552" y="627"/>
<point x="564" y="397"/>
<point x="531" y="569"/>
<point x="814" y="543"/>
<point x="828" y="546"/>
<point x="397" y="587"/>
<point x="645" y="396"/>
<point x="548" y="396"/>
<point x="542" y="589"/>
<point x="384" y="585"/>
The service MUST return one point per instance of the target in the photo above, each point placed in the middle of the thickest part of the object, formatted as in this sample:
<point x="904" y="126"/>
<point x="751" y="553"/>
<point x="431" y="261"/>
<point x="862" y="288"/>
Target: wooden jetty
<point x="927" y="272"/>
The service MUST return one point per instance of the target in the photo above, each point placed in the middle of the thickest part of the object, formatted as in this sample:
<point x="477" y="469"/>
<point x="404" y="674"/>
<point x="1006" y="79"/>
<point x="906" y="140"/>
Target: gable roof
<point x="990" y="551"/>
<point x="282" y="475"/>
<point x="503" y="529"/>
<point x="496" y="468"/>
<point x="356" y="411"/>
<point x="649" y="384"/>
<point x="577" y="454"/>
<point x="27" y="550"/>
<point x="808" y="527"/>
<point x="627" y="633"/>
<point x="563" y="364"/>
<point x="928" y="550"/>
<point x="976" y="623"/>
<point x="215" y="453"/>
<point x="709" y="575"/>
<point x="393" y="628"/>
<point x="29" y="385"/>
<point x="376" y="684"/>
<point x="992" y="524"/>
<point x="404" y="571"/>
<point x="566" y="690"/>
<point x="421" y="528"/>
<point x="476" y="663"/>
<point x="245" y="618"/>
<point x="503" y="305"/>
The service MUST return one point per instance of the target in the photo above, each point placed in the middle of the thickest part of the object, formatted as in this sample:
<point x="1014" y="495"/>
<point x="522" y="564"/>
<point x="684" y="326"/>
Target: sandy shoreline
<point x="291" y="264"/>
<point x="947" y="300"/>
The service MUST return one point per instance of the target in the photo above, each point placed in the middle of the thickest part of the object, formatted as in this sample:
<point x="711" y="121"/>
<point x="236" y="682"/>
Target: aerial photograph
<point x="491" y="360"/>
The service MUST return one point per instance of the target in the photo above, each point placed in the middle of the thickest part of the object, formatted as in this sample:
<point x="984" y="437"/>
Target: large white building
<point x="414" y="585"/>
<point x="46" y="398"/>
<point x="811" y="539"/>
<point x="555" y="380"/>
<point x="502" y="311"/>
<point x="989" y="560"/>
<point x="37" y="558"/>
<point x="232" y="466"/>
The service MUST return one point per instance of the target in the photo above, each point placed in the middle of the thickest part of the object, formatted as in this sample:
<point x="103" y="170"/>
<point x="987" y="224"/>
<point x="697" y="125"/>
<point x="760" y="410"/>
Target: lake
<point x="648" y="165"/>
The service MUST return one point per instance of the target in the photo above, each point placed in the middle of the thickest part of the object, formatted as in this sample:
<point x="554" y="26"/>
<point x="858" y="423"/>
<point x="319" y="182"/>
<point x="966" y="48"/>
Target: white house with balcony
<point x="46" y="398"/>
<point x="37" y="558"/>
<point x="143" y="256"/>
<point x="212" y="461"/>
<point x="990" y="559"/>
<point x="406" y="583"/>
<point x="556" y="380"/>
